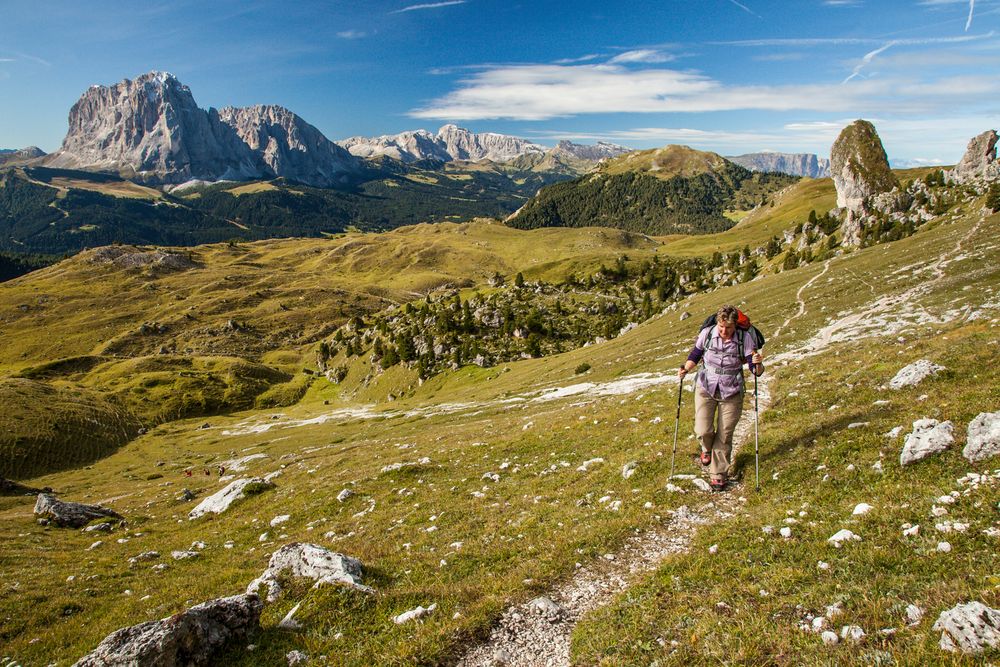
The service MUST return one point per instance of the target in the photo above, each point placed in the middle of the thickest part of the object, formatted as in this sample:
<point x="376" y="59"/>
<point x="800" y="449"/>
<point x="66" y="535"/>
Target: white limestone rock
<point x="912" y="375"/>
<point x="414" y="614"/>
<point x="311" y="561"/>
<point x="929" y="437"/>
<point x="841" y="536"/>
<point x="969" y="628"/>
<point x="629" y="469"/>
<point x="702" y="484"/>
<point x="983" y="440"/>
<point x="852" y="633"/>
<point x="219" y="502"/>
<point x="861" y="509"/>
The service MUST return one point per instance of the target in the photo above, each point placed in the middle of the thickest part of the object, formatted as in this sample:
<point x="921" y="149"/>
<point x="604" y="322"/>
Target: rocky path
<point x="538" y="633"/>
<point x="800" y="300"/>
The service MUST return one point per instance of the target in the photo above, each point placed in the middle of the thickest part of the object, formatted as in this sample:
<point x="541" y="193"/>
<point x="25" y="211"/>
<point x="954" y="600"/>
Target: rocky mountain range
<point x="795" y="164"/>
<point x="10" y="156"/>
<point x="450" y="143"/>
<point x="150" y="129"/>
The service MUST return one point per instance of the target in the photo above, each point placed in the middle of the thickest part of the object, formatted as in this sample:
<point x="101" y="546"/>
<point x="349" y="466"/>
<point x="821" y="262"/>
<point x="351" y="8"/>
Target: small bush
<point x="582" y="368"/>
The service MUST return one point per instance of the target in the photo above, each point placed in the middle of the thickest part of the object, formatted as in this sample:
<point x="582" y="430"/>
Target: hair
<point x="727" y="314"/>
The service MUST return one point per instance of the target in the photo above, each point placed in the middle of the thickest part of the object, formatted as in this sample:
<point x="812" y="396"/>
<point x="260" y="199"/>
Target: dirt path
<point x="800" y="300"/>
<point x="527" y="636"/>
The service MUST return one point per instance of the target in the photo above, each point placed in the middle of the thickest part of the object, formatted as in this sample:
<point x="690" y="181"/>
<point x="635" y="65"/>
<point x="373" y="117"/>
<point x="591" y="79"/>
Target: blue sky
<point x="730" y="76"/>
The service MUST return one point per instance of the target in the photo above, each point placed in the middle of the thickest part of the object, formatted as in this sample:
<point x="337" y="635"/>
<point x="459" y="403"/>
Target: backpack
<point x="743" y="326"/>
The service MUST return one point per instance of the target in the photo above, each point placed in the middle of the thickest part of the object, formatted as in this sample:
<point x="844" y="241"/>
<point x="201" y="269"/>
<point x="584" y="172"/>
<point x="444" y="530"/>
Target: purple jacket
<point x="723" y="371"/>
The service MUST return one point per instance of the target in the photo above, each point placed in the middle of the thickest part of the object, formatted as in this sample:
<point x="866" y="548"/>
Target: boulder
<point x="219" y="502"/>
<point x="191" y="637"/>
<point x="840" y="537"/>
<point x="979" y="161"/>
<point x="312" y="561"/>
<point x="545" y="607"/>
<point x="70" y="515"/>
<point x="983" y="439"/>
<point x="860" y="171"/>
<point x="929" y="437"/>
<point x="414" y="614"/>
<point x="969" y="628"/>
<point x="913" y="374"/>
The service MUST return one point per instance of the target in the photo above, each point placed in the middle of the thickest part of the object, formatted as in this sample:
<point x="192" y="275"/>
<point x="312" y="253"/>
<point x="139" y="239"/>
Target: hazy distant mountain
<point x="151" y="129"/>
<point x="9" y="156"/>
<point x="450" y="143"/>
<point x="795" y="164"/>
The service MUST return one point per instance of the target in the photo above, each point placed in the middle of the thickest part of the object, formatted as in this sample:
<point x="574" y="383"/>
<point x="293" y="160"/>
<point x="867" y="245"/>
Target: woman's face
<point x="726" y="330"/>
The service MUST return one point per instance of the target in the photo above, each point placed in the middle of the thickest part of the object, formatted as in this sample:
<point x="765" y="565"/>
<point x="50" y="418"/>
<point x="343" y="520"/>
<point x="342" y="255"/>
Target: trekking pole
<point x="756" y="437"/>
<point x="677" y="421"/>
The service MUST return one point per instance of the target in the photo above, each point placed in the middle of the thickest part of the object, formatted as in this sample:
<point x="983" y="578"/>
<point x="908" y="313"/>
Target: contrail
<point x="867" y="59"/>
<point x="747" y="9"/>
<point x="972" y="7"/>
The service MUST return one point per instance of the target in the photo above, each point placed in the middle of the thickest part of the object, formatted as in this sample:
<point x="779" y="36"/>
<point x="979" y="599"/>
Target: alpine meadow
<point x="411" y="397"/>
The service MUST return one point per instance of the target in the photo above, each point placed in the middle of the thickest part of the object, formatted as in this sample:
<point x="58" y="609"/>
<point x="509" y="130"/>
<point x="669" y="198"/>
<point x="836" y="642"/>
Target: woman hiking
<point x="719" y="386"/>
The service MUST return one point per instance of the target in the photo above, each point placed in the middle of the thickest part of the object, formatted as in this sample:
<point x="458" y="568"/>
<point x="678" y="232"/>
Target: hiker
<point x="719" y="386"/>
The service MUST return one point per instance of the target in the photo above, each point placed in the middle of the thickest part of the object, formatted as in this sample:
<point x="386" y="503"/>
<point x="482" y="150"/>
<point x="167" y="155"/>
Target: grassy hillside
<point x="440" y="532"/>
<point x="663" y="191"/>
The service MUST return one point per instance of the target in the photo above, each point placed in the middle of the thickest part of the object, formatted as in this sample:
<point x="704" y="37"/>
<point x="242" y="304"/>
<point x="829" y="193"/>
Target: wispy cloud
<point x="972" y="8"/>
<point x="352" y="34"/>
<point x="429" y="5"/>
<point x="840" y="41"/>
<point x="842" y="3"/>
<point x="745" y="8"/>
<point x="541" y="92"/>
<point x="870" y="56"/>
<point x="642" y="56"/>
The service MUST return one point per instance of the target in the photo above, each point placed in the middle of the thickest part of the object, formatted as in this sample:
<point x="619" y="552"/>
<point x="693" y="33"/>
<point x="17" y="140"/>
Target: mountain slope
<point x="508" y="539"/>
<point x="793" y="164"/>
<point x="663" y="191"/>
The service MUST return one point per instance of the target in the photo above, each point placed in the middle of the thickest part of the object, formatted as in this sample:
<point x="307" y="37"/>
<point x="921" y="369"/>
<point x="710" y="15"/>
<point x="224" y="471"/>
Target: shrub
<point x="582" y="368"/>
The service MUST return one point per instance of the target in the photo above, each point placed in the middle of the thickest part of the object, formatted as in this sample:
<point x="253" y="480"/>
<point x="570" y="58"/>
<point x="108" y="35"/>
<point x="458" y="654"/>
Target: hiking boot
<point x="705" y="458"/>
<point x="718" y="485"/>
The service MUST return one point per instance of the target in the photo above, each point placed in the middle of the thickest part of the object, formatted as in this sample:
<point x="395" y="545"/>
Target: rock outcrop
<point x="979" y="162"/>
<point x="191" y="637"/>
<point x="860" y="170"/>
<point x="983" y="441"/>
<point x="69" y="515"/>
<point x="310" y="561"/>
<point x="929" y="437"/>
<point x="796" y="164"/>
<point x="287" y="146"/>
<point x="602" y="150"/>
<point x="219" y="502"/>
<point x="450" y="143"/>
<point x="913" y="374"/>
<point x="150" y="129"/>
<point x="969" y="628"/>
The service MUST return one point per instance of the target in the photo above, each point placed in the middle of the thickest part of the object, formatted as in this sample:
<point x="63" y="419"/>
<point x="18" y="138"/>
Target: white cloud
<point x="429" y="5"/>
<point x="642" y="56"/>
<point x="745" y="8"/>
<point x="352" y="34"/>
<point x="581" y="59"/>
<point x="867" y="59"/>
<point x="972" y="8"/>
<point x="540" y="92"/>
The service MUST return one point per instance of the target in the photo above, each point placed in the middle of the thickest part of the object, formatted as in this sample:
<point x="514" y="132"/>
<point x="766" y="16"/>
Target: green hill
<point x="663" y="191"/>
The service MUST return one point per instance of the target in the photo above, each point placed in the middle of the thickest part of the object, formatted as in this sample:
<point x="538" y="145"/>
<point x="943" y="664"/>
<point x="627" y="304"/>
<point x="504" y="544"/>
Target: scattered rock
<point x="544" y="606"/>
<point x="841" y="536"/>
<point x="184" y="555"/>
<point x="311" y="561"/>
<point x="344" y="495"/>
<point x="414" y="614"/>
<point x="103" y="527"/>
<point x="629" y="468"/>
<point x="187" y="495"/>
<point x="852" y="633"/>
<point x="983" y="437"/>
<point x="219" y="502"/>
<point x="912" y="531"/>
<point x="70" y="515"/>
<point x="829" y="637"/>
<point x="144" y="556"/>
<point x="280" y="519"/>
<point x="583" y="467"/>
<point x="969" y="628"/>
<point x="685" y="315"/>
<point x="289" y="622"/>
<point x="189" y="638"/>
<point x="702" y="484"/>
<point x="855" y="425"/>
<point x="914" y="614"/>
<point x="861" y="509"/>
<point x="929" y="437"/>
<point x="910" y="376"/>
<point x="785" y="532"/>
<point x="296" y="658"/>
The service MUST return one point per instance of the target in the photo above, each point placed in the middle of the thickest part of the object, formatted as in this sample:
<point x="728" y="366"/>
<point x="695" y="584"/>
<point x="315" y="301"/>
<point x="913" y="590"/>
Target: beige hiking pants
<point x="716" y="434"/>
